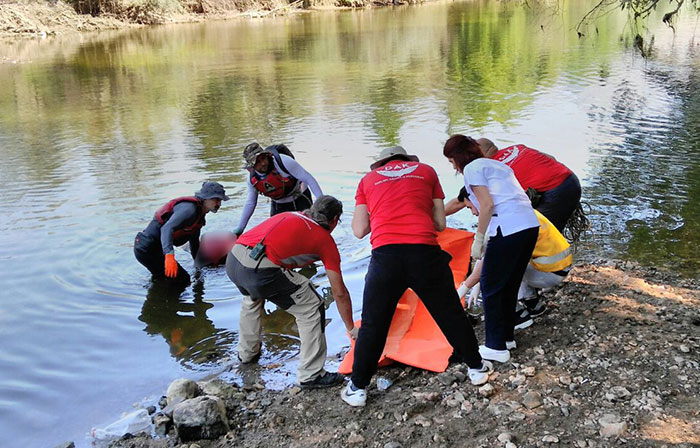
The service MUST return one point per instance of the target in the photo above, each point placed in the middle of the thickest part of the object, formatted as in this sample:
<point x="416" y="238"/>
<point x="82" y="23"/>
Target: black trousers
<point x="559" y="203"/>
<point x="149" y="252"/>
<point x="425" y="269"/>
<point x="301" y="203"/>
<point x="502" y="271"/>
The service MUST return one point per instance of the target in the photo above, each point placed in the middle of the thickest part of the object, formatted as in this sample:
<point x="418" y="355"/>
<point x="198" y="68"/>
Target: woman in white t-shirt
<point x="505" y="237"/>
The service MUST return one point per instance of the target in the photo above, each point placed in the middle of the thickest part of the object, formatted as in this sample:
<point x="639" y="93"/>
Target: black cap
<point x="211" y="190"/>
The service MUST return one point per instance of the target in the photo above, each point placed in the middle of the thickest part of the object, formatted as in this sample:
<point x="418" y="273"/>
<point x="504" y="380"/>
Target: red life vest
<point x="273" y="184"/>
<point x="165" y="212"/>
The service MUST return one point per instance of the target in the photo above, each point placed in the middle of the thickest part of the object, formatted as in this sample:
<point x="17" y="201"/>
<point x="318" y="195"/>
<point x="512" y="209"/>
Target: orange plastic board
<point x="414" y="338"/>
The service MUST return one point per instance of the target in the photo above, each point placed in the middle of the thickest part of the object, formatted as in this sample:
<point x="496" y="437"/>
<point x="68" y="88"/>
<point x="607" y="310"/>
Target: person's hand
<point x="353" y="333"/>
<point x="238" y="231"/>
<point x="170" y="266"/>
<point x="473" y="295"/>
<point x="478" y="246"/>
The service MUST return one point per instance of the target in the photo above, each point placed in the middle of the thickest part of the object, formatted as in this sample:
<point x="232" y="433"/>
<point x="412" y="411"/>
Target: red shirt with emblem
<point x="399" y="198"/>
<point x="533" y="168"/>
<point x="293" y="240"/>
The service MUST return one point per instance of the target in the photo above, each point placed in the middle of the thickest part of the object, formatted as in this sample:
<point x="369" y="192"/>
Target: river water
<point x="97" y="131"/>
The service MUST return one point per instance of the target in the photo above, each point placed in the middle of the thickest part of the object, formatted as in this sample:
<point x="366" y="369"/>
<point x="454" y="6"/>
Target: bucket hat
<point x="251" y="153"/>
<point x="211" y="190"/>
<point x="388" y="153"/>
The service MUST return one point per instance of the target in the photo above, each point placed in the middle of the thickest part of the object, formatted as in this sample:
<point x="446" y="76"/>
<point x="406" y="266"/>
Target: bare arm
<point x="439" y="220"/>
<point x="342" y="298"/>
<point x="486" y="207"/>
<point x="473" y="278"/>
<point x="453" y="206"/>
<point x="360" y="221"/>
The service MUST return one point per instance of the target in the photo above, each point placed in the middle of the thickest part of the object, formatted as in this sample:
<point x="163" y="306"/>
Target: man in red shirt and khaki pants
<point x="400" y="202"/>
<point x="260" y="265"/>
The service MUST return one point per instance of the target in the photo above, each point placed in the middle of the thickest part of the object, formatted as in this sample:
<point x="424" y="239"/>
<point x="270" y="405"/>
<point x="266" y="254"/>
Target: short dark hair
<point x="462" y="149"/>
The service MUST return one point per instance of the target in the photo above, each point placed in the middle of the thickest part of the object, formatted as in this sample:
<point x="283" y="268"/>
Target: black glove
<point x="462" y="194"/>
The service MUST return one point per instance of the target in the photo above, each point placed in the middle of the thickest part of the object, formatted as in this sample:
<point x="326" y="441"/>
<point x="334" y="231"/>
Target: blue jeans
<point x="501" y="273"/>
<point x="425" y="269"/>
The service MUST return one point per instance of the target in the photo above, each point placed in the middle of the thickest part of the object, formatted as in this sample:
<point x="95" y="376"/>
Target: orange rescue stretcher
<point x="414" y="338"/>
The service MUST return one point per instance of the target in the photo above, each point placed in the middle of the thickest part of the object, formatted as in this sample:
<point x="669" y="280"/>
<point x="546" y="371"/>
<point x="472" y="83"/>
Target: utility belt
<point x="242" y="254"/>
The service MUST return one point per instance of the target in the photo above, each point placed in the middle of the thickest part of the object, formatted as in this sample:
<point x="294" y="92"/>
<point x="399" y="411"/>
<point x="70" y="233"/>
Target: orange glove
<point x="170" y="266"/>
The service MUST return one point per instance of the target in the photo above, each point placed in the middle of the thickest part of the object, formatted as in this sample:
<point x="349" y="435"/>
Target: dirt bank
<point x="48" y="17"/>
<point x="614" y="361"/>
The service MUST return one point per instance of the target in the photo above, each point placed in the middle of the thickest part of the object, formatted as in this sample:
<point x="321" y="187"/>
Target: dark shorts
<point x="301" y="203"/>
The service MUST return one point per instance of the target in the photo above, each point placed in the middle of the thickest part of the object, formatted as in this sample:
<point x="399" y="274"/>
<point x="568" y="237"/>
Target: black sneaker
<point x="327" y="380"/>
<point x="522" y="318"/>
<point x="536" y="307"/>
<point x="254" y="359"/>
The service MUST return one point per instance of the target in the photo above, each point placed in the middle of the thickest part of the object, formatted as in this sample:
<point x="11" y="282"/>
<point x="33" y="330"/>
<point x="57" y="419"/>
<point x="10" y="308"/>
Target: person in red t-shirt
<point x="558" y="186"/>
<point x="400" y="202"/>
<point x="260" y="265"/>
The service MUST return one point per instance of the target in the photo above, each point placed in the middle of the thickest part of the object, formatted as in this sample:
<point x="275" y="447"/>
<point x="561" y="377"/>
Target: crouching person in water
<point x="400" y="203"/>
<point x="177" y="222"/>
<point x="260" y="266"/>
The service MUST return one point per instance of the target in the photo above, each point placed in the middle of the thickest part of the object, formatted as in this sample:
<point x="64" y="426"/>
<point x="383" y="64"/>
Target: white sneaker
<point x="480" y="376"/>
<point x="510" y="345"/>
<point x="356" y="397"/>
<point x="494" y="355"/>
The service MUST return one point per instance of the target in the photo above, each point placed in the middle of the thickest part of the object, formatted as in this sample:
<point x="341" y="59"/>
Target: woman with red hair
<point x="505" y="237"/>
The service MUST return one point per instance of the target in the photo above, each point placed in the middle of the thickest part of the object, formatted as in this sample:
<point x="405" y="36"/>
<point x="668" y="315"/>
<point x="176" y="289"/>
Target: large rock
<point x="180" y="390"/>
<point x="611" y="426"/>
<point x="200" y="418"/>
<point x="218" y="388"/>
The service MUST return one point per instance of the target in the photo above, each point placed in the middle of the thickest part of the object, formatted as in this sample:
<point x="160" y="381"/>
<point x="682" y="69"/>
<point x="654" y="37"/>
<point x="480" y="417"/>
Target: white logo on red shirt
<point x="397" y="169"/>
<point x="509" y="155"/>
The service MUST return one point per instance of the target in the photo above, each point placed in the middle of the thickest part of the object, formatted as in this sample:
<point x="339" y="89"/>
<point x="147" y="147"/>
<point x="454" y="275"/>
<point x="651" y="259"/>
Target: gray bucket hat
<point x="251" y="153"/>
<point x="211" y="190"/>
<point x="388" y="153"/>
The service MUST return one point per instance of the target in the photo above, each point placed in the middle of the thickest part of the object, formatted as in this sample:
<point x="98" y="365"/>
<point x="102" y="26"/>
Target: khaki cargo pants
<point x="290" y="291"/>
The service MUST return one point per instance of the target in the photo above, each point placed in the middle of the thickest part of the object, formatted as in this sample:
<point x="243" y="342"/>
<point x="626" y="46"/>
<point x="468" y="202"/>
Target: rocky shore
<point x="614" y="361"/>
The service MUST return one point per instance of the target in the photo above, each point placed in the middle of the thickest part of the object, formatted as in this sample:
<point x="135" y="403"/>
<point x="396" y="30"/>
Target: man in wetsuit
<point x="274" y="173"/>
<point x="177" y="222"/>
<point x="558" y="187"/>
<point x="260" y="265"/>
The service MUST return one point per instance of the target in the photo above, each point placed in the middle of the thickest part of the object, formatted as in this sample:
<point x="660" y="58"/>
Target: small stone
<point x="294" y="390"/>
<point x="564" y="411"/>
<point x="499" y="409"/>
<point x="684" y="348"/>
<point x="505" y="437"/>
<point x="162" y="424"/>
<point x="613" y="429"/>
<point x="66" y="445"/>
<point x="510" y="445"/>
<point x="392" y="444"/>
<point x="532" y="400"/>
<point x="620" y="392"/>
<point x="517" y="380"/>
<point x="458" y="396"/>
<point x="460" y="376"/>
<point x="487" y="390"/>
<point x="422" y="421"/>
<point x="446" y="378"/>
<point x="466" y="407"/>
<point x="355" y="438"/>
<point x="517" y="417"/>
<point x="528" y="371"/>
<point x="549" y="438"/>
<point x="565" y="380"/>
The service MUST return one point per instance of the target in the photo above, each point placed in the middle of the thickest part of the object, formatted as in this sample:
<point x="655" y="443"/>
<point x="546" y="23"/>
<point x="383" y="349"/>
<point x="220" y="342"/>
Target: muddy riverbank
<point x="50" y="17"/>
<point x="613" y="361"/>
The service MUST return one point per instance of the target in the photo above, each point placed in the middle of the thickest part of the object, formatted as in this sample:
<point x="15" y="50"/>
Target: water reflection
<point x="182" y="323"/>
